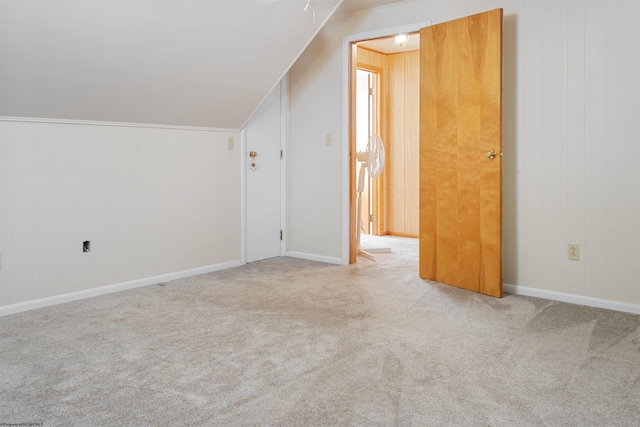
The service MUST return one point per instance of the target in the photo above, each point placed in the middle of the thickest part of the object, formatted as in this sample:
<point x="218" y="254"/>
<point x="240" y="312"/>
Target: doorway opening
<point x="385" y="102"/>
<point x="367" y="125"/>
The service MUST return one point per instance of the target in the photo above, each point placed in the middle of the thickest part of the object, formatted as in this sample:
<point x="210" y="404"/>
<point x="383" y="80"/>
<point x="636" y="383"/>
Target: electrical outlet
<point x="328" y="139"/>
<point x="573" y="252"/>
<point x="230" y="142"/>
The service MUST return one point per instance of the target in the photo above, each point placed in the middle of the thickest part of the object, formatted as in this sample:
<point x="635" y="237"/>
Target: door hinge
<point x="370" y="91"/>
<point x="281" y="153"/>
<point x="280" y="234"/>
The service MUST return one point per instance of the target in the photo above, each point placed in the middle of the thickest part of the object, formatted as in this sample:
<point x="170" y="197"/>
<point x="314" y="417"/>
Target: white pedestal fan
<point x="371" y="160"/>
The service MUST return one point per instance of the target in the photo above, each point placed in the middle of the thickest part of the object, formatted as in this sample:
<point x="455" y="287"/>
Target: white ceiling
<point x="349" y="6"/>
<point x="177" y="62"/>
<point x="388" y="45"/>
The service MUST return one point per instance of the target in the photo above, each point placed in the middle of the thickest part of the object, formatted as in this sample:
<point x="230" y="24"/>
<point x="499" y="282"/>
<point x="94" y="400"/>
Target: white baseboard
<point x="508" y="288"/>
<point x="573" y="299"/>
<point x="88" y="293"/>
<point x="312" y="257"/>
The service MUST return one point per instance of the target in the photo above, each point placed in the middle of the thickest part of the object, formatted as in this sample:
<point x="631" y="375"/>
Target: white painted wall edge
<point x="74" y="296"/>
<point x="118" y="124"/>
<point x="346" y="56"/>
<point x="573" y="299"/>
<point x="284" y="142"/>
<point x="313" y="257"/>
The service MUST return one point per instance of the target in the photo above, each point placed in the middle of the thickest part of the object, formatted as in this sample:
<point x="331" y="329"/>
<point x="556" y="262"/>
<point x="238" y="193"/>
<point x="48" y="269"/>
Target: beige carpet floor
<point x="289" y="342"/>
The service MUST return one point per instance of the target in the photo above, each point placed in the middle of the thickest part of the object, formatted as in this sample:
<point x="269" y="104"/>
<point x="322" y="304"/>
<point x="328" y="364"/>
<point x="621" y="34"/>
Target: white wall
<point x="314" y="169"/>
<point x="152" y="201"/>
<point x="571" y="139"/>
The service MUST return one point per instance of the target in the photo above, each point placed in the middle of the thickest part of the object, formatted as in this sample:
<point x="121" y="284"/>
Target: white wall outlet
<point x="328" y="140"/>
<point x="230" y="142"/>
<point x="573" y="252"/>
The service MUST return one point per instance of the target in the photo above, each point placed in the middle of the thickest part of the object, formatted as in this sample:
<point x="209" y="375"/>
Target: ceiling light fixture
<point x="402" y="40"/>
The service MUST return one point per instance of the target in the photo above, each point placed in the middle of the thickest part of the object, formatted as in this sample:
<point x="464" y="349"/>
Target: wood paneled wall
<point x="403" y="143"/>
<point x="371" y="60"/>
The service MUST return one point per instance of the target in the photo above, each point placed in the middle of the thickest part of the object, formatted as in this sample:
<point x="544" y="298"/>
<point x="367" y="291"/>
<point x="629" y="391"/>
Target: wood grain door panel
<point x="460" y="120"/>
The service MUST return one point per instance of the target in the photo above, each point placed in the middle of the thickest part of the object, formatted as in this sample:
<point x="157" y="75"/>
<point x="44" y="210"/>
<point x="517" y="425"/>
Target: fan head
<point x="375" y="151"/>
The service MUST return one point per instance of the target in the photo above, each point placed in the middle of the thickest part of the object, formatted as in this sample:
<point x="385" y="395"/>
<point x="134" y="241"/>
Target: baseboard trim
<point x="312" y="257"/>
<point x="103" y="290"/>
<point x="573" y="299"/>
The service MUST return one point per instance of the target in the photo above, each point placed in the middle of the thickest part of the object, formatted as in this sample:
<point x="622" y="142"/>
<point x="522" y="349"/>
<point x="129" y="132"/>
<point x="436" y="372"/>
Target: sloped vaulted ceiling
<point x="178" y="62"/>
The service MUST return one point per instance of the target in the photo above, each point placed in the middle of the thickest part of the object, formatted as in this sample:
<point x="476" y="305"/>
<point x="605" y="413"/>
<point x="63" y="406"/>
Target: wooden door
<point x="460" y="123"/>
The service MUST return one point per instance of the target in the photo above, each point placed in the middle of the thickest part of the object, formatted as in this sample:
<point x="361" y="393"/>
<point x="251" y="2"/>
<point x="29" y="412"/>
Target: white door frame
<point x="346" y="146"/>
<point x="243" y="194"/>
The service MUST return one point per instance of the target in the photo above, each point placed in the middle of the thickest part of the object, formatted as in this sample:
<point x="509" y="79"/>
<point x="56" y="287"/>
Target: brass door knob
<point x="491" y="154"/>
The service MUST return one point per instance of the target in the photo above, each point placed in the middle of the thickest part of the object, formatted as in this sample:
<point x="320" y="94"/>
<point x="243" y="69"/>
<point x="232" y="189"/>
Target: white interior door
<point x="263" y="137"/>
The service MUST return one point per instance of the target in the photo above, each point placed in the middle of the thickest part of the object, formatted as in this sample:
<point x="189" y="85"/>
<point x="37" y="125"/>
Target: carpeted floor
<point x="299" y="343"/>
